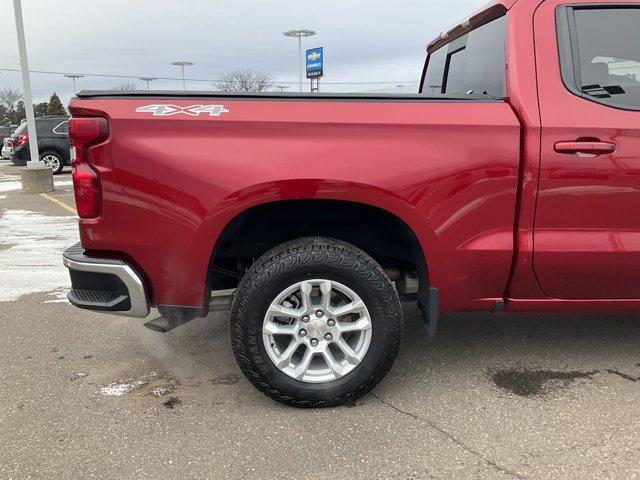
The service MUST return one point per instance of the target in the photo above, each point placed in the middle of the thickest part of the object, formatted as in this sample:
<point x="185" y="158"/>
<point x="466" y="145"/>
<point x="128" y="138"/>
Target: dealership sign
<point x="315" y="62"/>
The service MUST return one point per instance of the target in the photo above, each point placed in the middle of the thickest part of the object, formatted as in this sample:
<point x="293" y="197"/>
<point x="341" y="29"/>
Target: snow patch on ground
<point x="31" y="246"/>
<point x="152" y="383"/>
<point x="8" y="184"/>
<point x="117" y="389"/>
<point x="159" y="391"/>
<point x="59" y="297"/>
<point x="3" y="197"/>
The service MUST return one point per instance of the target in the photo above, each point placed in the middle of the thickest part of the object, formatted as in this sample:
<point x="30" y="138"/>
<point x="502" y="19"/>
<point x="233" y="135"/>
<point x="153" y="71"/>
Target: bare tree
<point x="244" y="81"/>
<point x="125" y="87"/>
<point x="9" y="99"/>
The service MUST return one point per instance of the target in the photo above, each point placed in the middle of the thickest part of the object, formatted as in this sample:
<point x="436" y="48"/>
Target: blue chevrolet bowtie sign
<point x="315" y="62"/>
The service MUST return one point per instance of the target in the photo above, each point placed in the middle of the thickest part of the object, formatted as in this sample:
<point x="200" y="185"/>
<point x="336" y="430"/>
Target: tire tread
<point x="305" y="251"/>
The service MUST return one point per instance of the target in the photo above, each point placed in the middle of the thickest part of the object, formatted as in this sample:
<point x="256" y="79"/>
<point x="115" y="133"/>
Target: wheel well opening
<point x="377" y="232"/>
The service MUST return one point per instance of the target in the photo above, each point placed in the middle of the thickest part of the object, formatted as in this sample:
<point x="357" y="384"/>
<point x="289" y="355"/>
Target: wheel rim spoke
<point x="325" y="290"/>
<point x="332" y="363"/>
<point x="363" y="323"/>
<point x="273" y="328"/>
<point x="349" y="353"/>
<point x="302" y="367"/>
<point x="282" y="311"/>
<point x="285" y="358"/>
<point x="305" y="292"/>
<point x="353" y="307"/>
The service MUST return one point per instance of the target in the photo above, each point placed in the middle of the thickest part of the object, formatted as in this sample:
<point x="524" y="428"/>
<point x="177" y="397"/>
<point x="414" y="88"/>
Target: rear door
<point x="587" y="226"/>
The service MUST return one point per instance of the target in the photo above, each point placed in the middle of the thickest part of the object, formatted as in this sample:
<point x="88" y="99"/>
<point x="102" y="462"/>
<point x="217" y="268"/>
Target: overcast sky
<point x="364" y="40"/>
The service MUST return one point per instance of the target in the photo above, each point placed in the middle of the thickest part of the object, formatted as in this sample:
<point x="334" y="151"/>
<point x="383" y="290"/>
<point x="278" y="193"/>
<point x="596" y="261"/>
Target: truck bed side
<point x="171" y="184"/>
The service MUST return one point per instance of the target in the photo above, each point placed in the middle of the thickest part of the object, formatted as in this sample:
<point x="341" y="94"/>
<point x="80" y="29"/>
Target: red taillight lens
<point x="9" y="143"/>
<point x="83" y="133"/>
<point x="22" y="139"/>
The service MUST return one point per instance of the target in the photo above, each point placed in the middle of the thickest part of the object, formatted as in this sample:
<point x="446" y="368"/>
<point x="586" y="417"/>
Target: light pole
<point x="182" y="65"/>
<point x="282" y="87"/>
<point x="301" y="32"/>
<point x="73" y="77"/>
<point x="34" y="161"/>
<point x="148" y="80"/>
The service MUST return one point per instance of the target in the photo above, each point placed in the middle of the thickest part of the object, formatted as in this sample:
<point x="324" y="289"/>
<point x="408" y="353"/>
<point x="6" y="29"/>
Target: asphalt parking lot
<point x="87" y="395"/>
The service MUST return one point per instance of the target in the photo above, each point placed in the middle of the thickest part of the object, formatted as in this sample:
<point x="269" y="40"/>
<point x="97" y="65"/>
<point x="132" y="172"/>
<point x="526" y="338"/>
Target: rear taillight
<point x="8" y="143"/>
<point x="22" y="139"/>
<point x="83" y="133"/>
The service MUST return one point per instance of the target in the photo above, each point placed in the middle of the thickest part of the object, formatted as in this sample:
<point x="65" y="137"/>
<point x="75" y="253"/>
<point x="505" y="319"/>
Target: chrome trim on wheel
<point x="317" y="330"/>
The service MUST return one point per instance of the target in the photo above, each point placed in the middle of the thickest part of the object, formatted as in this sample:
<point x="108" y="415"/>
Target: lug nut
<point x="331" y="322"/>
<point x="319" y="313"/>
<point x="302" y="332"/>
<point x="305" y="319"/>
<point x="328" y="337"/>
<point x="314" y="342"/>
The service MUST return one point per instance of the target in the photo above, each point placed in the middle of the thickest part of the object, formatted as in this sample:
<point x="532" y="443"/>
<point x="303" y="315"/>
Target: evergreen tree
<point x="19" y="113"/>
<point x="40" y="109"/>
<point x="55" y="106"/>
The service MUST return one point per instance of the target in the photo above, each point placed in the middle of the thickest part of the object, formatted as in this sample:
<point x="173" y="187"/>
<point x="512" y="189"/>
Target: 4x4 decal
<point x="161" y="110"/>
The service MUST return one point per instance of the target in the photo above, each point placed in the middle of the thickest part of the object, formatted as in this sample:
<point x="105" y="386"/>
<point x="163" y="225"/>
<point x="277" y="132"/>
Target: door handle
<point x="588" y="148"/>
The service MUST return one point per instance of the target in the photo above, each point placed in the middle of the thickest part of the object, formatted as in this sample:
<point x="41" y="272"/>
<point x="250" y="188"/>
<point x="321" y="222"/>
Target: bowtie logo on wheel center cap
<point x="317" y="328"/>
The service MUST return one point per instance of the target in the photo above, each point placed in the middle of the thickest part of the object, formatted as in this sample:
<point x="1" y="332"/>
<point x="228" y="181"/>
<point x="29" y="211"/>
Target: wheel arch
<point x="317" y="195"/>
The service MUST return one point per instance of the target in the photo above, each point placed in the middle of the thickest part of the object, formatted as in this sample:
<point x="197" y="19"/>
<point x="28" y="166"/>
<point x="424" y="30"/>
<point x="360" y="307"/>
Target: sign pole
<point x="300" y="59"/>
<point x="26" y="88"/>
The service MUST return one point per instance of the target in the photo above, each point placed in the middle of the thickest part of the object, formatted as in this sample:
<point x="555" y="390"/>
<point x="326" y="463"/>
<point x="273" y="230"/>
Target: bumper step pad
<point x="97" y="300"/>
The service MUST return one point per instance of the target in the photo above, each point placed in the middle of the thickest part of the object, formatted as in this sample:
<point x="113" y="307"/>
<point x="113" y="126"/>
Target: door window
<point x="600" y="54"/>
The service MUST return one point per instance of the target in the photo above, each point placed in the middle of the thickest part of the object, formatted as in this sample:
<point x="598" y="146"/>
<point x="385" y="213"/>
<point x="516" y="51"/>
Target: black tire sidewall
<point x="360" y="274"/>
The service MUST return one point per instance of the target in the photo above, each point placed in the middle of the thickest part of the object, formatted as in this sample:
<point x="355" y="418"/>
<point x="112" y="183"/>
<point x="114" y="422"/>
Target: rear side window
<point x="473" y="64"/>
<point x="62" y="128"/>
<point x="600" y="54"/>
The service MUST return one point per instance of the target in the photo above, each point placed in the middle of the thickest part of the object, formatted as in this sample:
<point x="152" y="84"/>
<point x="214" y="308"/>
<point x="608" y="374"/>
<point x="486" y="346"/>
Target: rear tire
<point x="314" y="281"/>
<point x="53" y="160"/>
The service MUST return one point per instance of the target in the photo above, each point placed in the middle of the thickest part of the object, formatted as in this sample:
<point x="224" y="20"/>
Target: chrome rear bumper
<point x="105" y="285"/>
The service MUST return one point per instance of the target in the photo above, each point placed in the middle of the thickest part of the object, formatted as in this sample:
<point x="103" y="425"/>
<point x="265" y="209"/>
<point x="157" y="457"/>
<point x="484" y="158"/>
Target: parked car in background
<point x="5" y="134"/>
<point x="7" y="130"/>
<point x="53" y="142"/>
<point x="7" y="145"/>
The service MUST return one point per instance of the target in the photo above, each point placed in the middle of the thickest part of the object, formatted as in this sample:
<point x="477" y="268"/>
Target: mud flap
<point x="432" y="319"/>
<point x="428" y="305"/>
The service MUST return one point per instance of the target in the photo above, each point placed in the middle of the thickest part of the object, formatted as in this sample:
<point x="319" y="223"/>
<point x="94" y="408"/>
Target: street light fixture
<point x="73" y="77"/>
<point x="282" y="87"/>
<point x="301" y="32"/>
<point x="182" y="65"/>
<point x="148" y="80"/>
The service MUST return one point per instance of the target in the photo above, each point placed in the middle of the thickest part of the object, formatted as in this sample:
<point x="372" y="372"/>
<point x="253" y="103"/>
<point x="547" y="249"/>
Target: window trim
<point x="57" y="126"/>
<point x="569" y="53"/>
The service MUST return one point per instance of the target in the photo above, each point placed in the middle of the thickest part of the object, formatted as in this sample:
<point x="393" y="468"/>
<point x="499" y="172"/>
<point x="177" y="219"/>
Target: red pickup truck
<point x="510" y="182"/>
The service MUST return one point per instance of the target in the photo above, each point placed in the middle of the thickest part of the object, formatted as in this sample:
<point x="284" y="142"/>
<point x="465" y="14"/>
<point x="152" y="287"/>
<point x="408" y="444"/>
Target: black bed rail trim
<point x="397" y="97"/>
